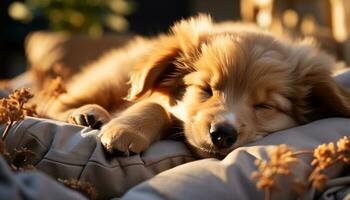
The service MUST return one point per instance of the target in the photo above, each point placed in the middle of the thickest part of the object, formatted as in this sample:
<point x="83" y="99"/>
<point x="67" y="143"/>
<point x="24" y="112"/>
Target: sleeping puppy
<point x="225" y="85"/>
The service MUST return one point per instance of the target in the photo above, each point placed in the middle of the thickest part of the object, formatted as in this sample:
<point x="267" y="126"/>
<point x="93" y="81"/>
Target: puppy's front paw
<point x="90" y="115"/>
<point x="116" y="136"/>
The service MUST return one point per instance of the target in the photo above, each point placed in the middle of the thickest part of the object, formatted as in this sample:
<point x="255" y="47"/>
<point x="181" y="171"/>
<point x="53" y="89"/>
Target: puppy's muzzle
<point x="223" y="135"/>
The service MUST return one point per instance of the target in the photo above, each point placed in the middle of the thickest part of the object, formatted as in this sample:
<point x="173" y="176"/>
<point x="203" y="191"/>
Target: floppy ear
<point x="326" y="98"/>
<point x="152" y="69"/>
<point x="161" y="68"/>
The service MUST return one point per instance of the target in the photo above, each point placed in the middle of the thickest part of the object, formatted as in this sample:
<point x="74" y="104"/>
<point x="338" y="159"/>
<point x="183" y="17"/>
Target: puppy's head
<point x="231" y="85"/>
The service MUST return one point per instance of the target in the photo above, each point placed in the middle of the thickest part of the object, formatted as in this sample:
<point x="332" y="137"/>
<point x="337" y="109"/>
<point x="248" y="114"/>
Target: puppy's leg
<point x="90" y="95"/>
<point x="86" y="104"/>
<point x="103" y="83"/>
<point x="85" y="108"/>
<point x="136" y="128"/>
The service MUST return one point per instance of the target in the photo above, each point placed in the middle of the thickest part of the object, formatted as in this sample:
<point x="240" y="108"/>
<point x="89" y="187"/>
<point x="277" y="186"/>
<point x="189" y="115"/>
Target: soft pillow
<point x="67" y="151"/>
<point x="231" y="177"/>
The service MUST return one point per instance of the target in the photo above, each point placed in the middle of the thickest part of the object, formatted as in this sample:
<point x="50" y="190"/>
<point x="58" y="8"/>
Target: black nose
<point x="223" y="135"/>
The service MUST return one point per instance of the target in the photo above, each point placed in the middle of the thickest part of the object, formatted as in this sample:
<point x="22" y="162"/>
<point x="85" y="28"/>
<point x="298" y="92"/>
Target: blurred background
<point x="31" y="29"/>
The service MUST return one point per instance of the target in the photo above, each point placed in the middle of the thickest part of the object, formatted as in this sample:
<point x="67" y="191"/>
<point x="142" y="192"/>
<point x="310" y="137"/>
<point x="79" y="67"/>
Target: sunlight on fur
<point x="225" y="84"/>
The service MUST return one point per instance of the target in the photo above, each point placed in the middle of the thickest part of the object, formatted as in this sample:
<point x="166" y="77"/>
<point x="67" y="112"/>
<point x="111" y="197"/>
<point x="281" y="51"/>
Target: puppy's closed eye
<point x="207" y="89"/>
<point x="263" y="106"/>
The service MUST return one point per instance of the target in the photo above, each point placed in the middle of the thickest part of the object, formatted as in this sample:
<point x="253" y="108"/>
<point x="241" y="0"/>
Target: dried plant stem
<point x="21" y="106"/>
<point x="300" y="153"/>
<point x="324" y="156"/>
<point x="55" y="89"/>
<point x="7" y="129"/>
<point x="330" y="164"/>
<point x="335" y="161"/>
<point x="8" y="126"/>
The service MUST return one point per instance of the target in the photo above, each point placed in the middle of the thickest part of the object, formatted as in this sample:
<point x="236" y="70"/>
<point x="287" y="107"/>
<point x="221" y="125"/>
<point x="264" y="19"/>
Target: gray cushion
<point x="231" y="177"/>
<point x="67" y="151"/>
<point x="32" y="185"/>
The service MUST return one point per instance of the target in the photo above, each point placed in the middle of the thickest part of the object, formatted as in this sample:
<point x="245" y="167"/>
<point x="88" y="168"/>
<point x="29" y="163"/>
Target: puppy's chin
<point x="206" y="153"/>
<point x="198" y="140"/>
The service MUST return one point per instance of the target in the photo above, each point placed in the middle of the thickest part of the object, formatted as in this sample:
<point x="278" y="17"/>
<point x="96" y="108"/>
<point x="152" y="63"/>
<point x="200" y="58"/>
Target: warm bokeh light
<point x="76" y="18"/>
<point x="117" y="23"/>
<point x="19" y="11"/>
<point x="338" y="20"/>
<point x="262" y="3"/>
<point x="121" y="6"/>
<point x="290" y="18"/>
<point x="308" y="25"/>
<point x="92" y="17"/>
<point x="327" y="20"/>
<point x="264" y="18"/>
<point x="95" y="30"/>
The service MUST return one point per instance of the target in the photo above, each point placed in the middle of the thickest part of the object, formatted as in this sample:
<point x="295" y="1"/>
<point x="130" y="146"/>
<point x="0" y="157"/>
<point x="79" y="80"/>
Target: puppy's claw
<point x="97" y="125"/>
<point x="92" y="122"/>
<point x="86" y="120"/>
<point x="82" y="120"/>
<point x="90" y="119"/>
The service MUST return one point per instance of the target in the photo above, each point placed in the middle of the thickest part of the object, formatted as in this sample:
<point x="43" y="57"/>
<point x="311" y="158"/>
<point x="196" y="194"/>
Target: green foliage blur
<point x="91" y="17"/>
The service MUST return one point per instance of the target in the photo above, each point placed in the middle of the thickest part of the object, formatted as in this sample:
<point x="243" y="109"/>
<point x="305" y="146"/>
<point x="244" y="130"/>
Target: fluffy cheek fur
<point x="269" y="120"/>
<point x="251" y="122"/>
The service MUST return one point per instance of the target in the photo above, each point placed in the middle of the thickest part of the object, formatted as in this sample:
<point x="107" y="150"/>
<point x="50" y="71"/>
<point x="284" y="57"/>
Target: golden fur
<point x="199" y="74"/>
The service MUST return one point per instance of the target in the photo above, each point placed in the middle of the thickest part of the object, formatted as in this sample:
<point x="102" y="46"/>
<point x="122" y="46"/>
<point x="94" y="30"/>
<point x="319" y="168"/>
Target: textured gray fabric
<point x="344" y="79"/>
<point x="231" y="177"/>
<point x="3" y="94"/>
<point x="31" y="186"/>
<point x="67" y="151"/>
<point x="338" y="188"/>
